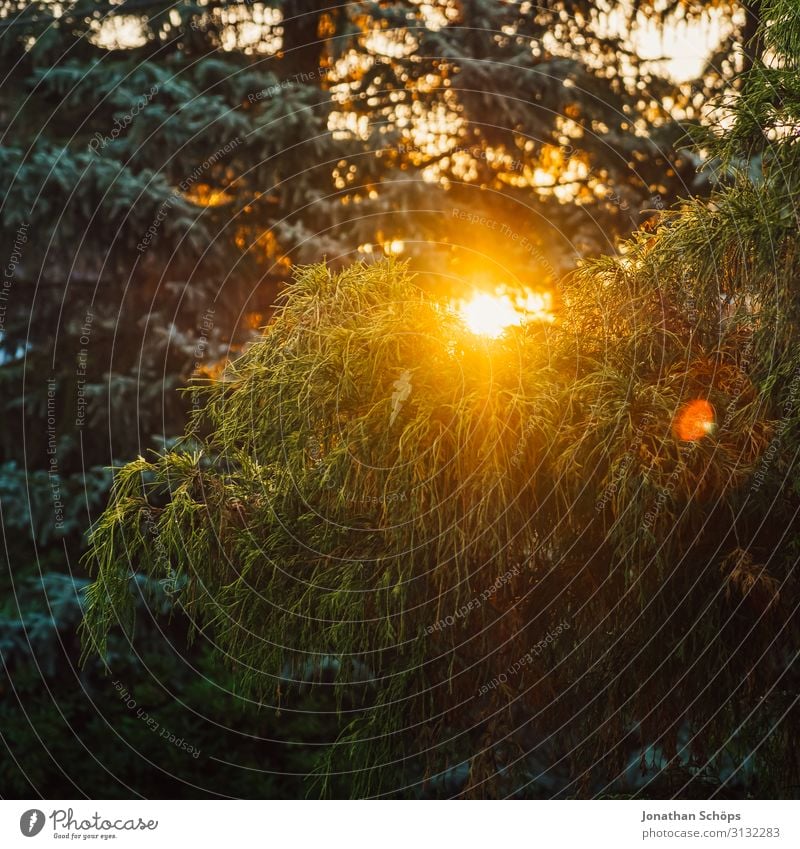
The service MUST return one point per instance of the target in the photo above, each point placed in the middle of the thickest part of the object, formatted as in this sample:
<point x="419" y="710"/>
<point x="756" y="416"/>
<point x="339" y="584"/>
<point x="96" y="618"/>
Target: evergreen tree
<point x="186" y="174"/>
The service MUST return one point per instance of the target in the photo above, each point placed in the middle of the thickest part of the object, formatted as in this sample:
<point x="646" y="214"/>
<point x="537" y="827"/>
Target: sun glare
<point x="492" y="313"/>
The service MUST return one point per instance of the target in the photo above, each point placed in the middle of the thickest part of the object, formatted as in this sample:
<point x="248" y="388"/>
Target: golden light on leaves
<point x="695" y="420"/>
<point x="202" y="194"/>
<point x="492" y="313"/>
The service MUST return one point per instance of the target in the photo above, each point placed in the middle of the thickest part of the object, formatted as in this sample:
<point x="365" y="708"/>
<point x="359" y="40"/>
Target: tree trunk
<point x="302" y="49"/>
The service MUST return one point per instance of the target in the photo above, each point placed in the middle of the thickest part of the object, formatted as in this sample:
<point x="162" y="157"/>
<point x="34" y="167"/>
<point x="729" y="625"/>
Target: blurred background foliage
<point x="165" y="166"/>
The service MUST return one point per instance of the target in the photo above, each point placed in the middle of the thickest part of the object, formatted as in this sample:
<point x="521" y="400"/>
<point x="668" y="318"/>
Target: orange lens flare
<point x="694" y="421"/>
<point x="492" y="313"/>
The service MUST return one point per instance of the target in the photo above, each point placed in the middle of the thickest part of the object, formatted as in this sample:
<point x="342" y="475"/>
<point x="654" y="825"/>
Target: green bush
<point x="488" y="541"/>
<point x="521" y="563"/>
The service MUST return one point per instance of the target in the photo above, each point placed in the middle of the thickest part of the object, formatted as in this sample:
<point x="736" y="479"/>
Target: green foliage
<point x="367" y="470"/>
<point x="27" y="499"/>
<point x="327" y="515"/>
<point x="161" y="725"/>
<point x="119" y="328"/>
<point x="189" y="173"/>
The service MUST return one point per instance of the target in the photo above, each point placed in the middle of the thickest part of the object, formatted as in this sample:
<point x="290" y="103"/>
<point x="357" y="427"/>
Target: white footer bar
<point x="400" y="825"/>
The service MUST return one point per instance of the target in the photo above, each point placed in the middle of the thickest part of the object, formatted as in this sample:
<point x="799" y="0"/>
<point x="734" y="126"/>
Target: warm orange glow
<point x="694" y="421"/>
<point x="204" y="195"/>
<point x="492" y="313"/>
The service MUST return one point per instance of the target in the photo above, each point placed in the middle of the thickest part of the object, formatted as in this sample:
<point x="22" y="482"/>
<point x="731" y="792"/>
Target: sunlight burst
<point x="492" y="313"/>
